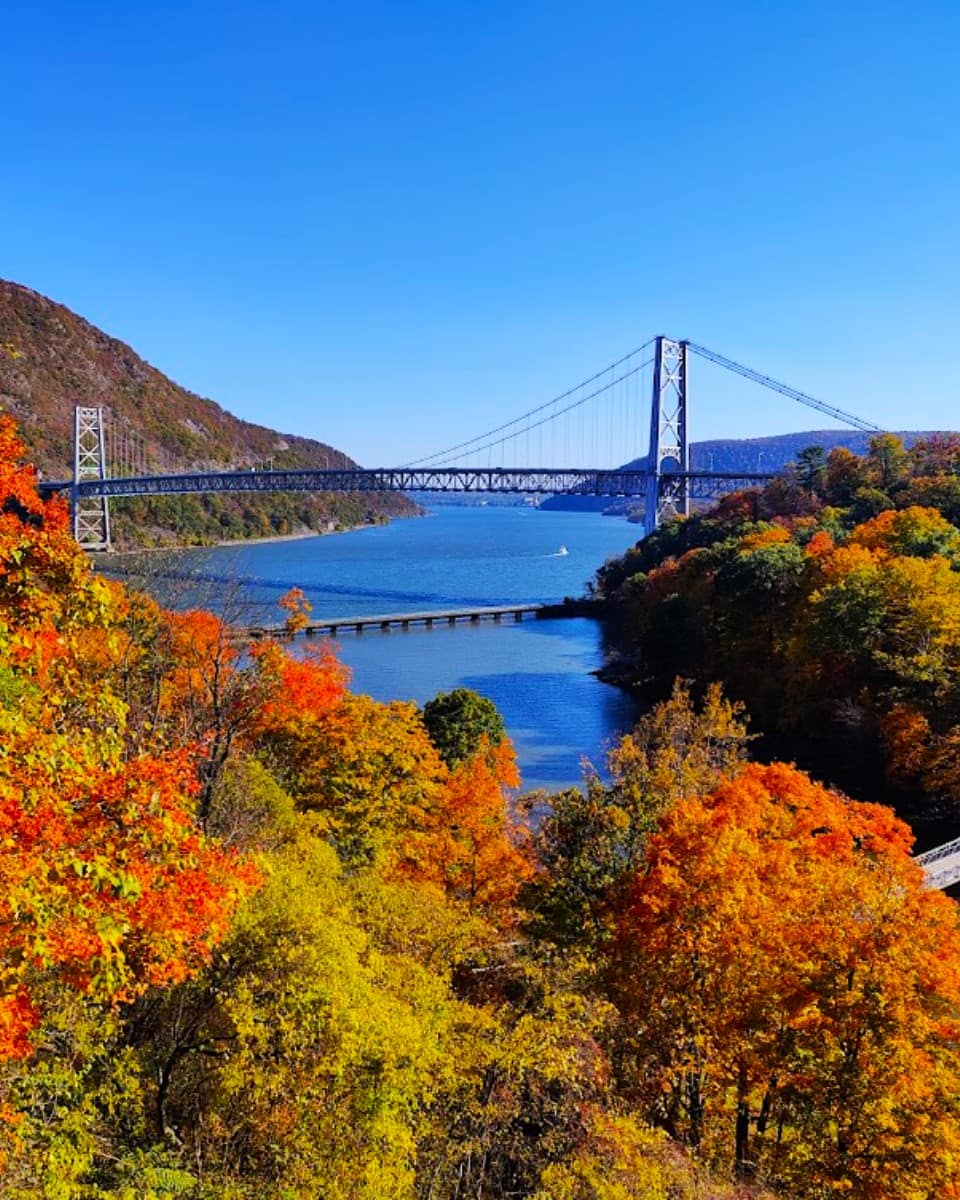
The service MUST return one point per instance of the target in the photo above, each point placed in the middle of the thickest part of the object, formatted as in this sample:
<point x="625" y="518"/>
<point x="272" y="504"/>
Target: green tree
<point x="887" y="460"/>
<point x="457" y="721"/>
<point x="810" y="469"/>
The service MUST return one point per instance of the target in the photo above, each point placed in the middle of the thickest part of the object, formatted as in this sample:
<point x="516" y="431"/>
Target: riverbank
<point x="272" y="539"/>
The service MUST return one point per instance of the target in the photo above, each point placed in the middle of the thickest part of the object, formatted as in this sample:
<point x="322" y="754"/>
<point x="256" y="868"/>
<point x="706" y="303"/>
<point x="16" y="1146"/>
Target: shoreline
<point x="109" y="555"/>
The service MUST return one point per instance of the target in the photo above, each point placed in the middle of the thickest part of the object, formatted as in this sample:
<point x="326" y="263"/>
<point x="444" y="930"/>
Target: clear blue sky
<point x="391" y="225"/>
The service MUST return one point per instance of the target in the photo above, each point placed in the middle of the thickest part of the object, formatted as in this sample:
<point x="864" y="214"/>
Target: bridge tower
<point x="668" y="436"/>
<point x="91" y="514"/>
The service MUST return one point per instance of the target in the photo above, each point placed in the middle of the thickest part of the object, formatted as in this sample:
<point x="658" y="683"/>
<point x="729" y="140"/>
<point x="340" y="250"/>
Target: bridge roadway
<point x="427" y="618"/>
<point x="542" y="481"/>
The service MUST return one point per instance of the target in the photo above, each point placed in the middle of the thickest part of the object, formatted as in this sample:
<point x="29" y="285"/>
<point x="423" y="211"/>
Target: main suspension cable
<point x="801" y="397"/>
<point x="533" y="411"/>
<point x="545" y="420"/>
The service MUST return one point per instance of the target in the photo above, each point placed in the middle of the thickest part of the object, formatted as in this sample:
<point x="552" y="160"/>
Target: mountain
<point x="738" y="454"/>
<point x="52" y="360"/>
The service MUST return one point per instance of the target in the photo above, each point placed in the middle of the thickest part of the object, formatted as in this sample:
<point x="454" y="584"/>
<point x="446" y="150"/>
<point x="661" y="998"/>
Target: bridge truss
<point x="531" y="481"/>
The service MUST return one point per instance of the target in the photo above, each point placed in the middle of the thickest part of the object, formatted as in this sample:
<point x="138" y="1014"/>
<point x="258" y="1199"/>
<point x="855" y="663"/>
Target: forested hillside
<point x="266" y="939"/>
<point x="829" y="602"/>
<point x="52" y="360"/>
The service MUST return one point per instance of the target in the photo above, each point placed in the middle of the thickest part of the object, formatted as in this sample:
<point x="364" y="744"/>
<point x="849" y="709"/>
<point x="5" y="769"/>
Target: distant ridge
<point x="51" y="359"/>
<point x="771" y="453"/>
<point x="775" y="452"/>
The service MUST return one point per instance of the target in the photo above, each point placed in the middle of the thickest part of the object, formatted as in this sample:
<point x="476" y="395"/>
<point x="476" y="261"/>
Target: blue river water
<point x="536" y="672"/>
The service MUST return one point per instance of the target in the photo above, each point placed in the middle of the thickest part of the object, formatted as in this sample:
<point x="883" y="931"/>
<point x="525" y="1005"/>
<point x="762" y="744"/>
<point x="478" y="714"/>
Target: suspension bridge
<point x="609" y="419"/>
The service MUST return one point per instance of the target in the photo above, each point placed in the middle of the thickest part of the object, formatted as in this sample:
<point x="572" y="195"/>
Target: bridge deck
<point x="579" y="481"/>
<point x="426" y="618"/>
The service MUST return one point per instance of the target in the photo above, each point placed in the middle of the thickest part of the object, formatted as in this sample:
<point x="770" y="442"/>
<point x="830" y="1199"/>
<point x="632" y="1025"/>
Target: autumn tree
<point x="109" y="889"/>
<point x="463" y="838"/>
<point x="361" y="766"/>
<point x="620" y="1158"/>
<point x="300" y="1061"/>
<point x="887" y="461"/>
<point x="589" y="844"/>
<point x="203" y="698"/>
<point x="789" y="991"/>
<point x="846" y="473"/>
<point x="107" y="884"/>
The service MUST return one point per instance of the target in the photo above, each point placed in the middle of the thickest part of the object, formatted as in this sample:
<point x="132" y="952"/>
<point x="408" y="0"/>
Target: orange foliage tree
<point x="378" y="782"/>
<point x="106" y="882"/>
<point x="790" y="991"/>
<point x="465" y="842"/>
<point x="297" y="693"/>
<point x="588" y="845"/>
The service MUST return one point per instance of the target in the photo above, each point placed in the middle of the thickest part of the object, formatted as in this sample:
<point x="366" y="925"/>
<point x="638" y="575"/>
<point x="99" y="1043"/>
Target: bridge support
<point x="91" y="514"/>
<point x="667" y="497"/>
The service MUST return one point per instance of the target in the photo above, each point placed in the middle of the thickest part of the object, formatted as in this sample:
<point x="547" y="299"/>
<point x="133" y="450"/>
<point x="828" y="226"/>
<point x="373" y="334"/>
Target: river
<point x="536" y="672"/>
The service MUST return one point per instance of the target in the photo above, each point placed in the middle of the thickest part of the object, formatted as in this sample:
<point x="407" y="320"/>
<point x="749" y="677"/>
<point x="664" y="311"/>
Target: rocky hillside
<point x="52" y="360"/>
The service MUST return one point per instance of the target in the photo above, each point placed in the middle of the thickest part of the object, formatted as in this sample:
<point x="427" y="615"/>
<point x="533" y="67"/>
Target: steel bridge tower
<point x="91" y="514"/>
<point x="668" y="436"/>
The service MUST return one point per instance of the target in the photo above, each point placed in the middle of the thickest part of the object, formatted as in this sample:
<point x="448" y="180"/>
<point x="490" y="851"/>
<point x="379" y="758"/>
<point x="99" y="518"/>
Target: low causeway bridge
<point x="332" y="626"/>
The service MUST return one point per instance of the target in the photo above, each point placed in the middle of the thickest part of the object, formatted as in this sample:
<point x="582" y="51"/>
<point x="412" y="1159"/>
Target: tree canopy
<point x="262" y="938"/>
<point x="457" y="721"/>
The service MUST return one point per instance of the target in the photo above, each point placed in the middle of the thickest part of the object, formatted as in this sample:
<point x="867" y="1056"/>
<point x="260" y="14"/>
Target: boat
<point x="562" y="551"/>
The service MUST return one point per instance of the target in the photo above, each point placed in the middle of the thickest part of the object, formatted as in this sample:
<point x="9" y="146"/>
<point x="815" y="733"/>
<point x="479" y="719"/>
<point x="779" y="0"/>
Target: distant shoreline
<point x="101" y="555"/>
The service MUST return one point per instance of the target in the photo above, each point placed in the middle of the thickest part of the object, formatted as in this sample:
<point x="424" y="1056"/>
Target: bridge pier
<point x="91" y="513"/>
<point x="668" y="436"/>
